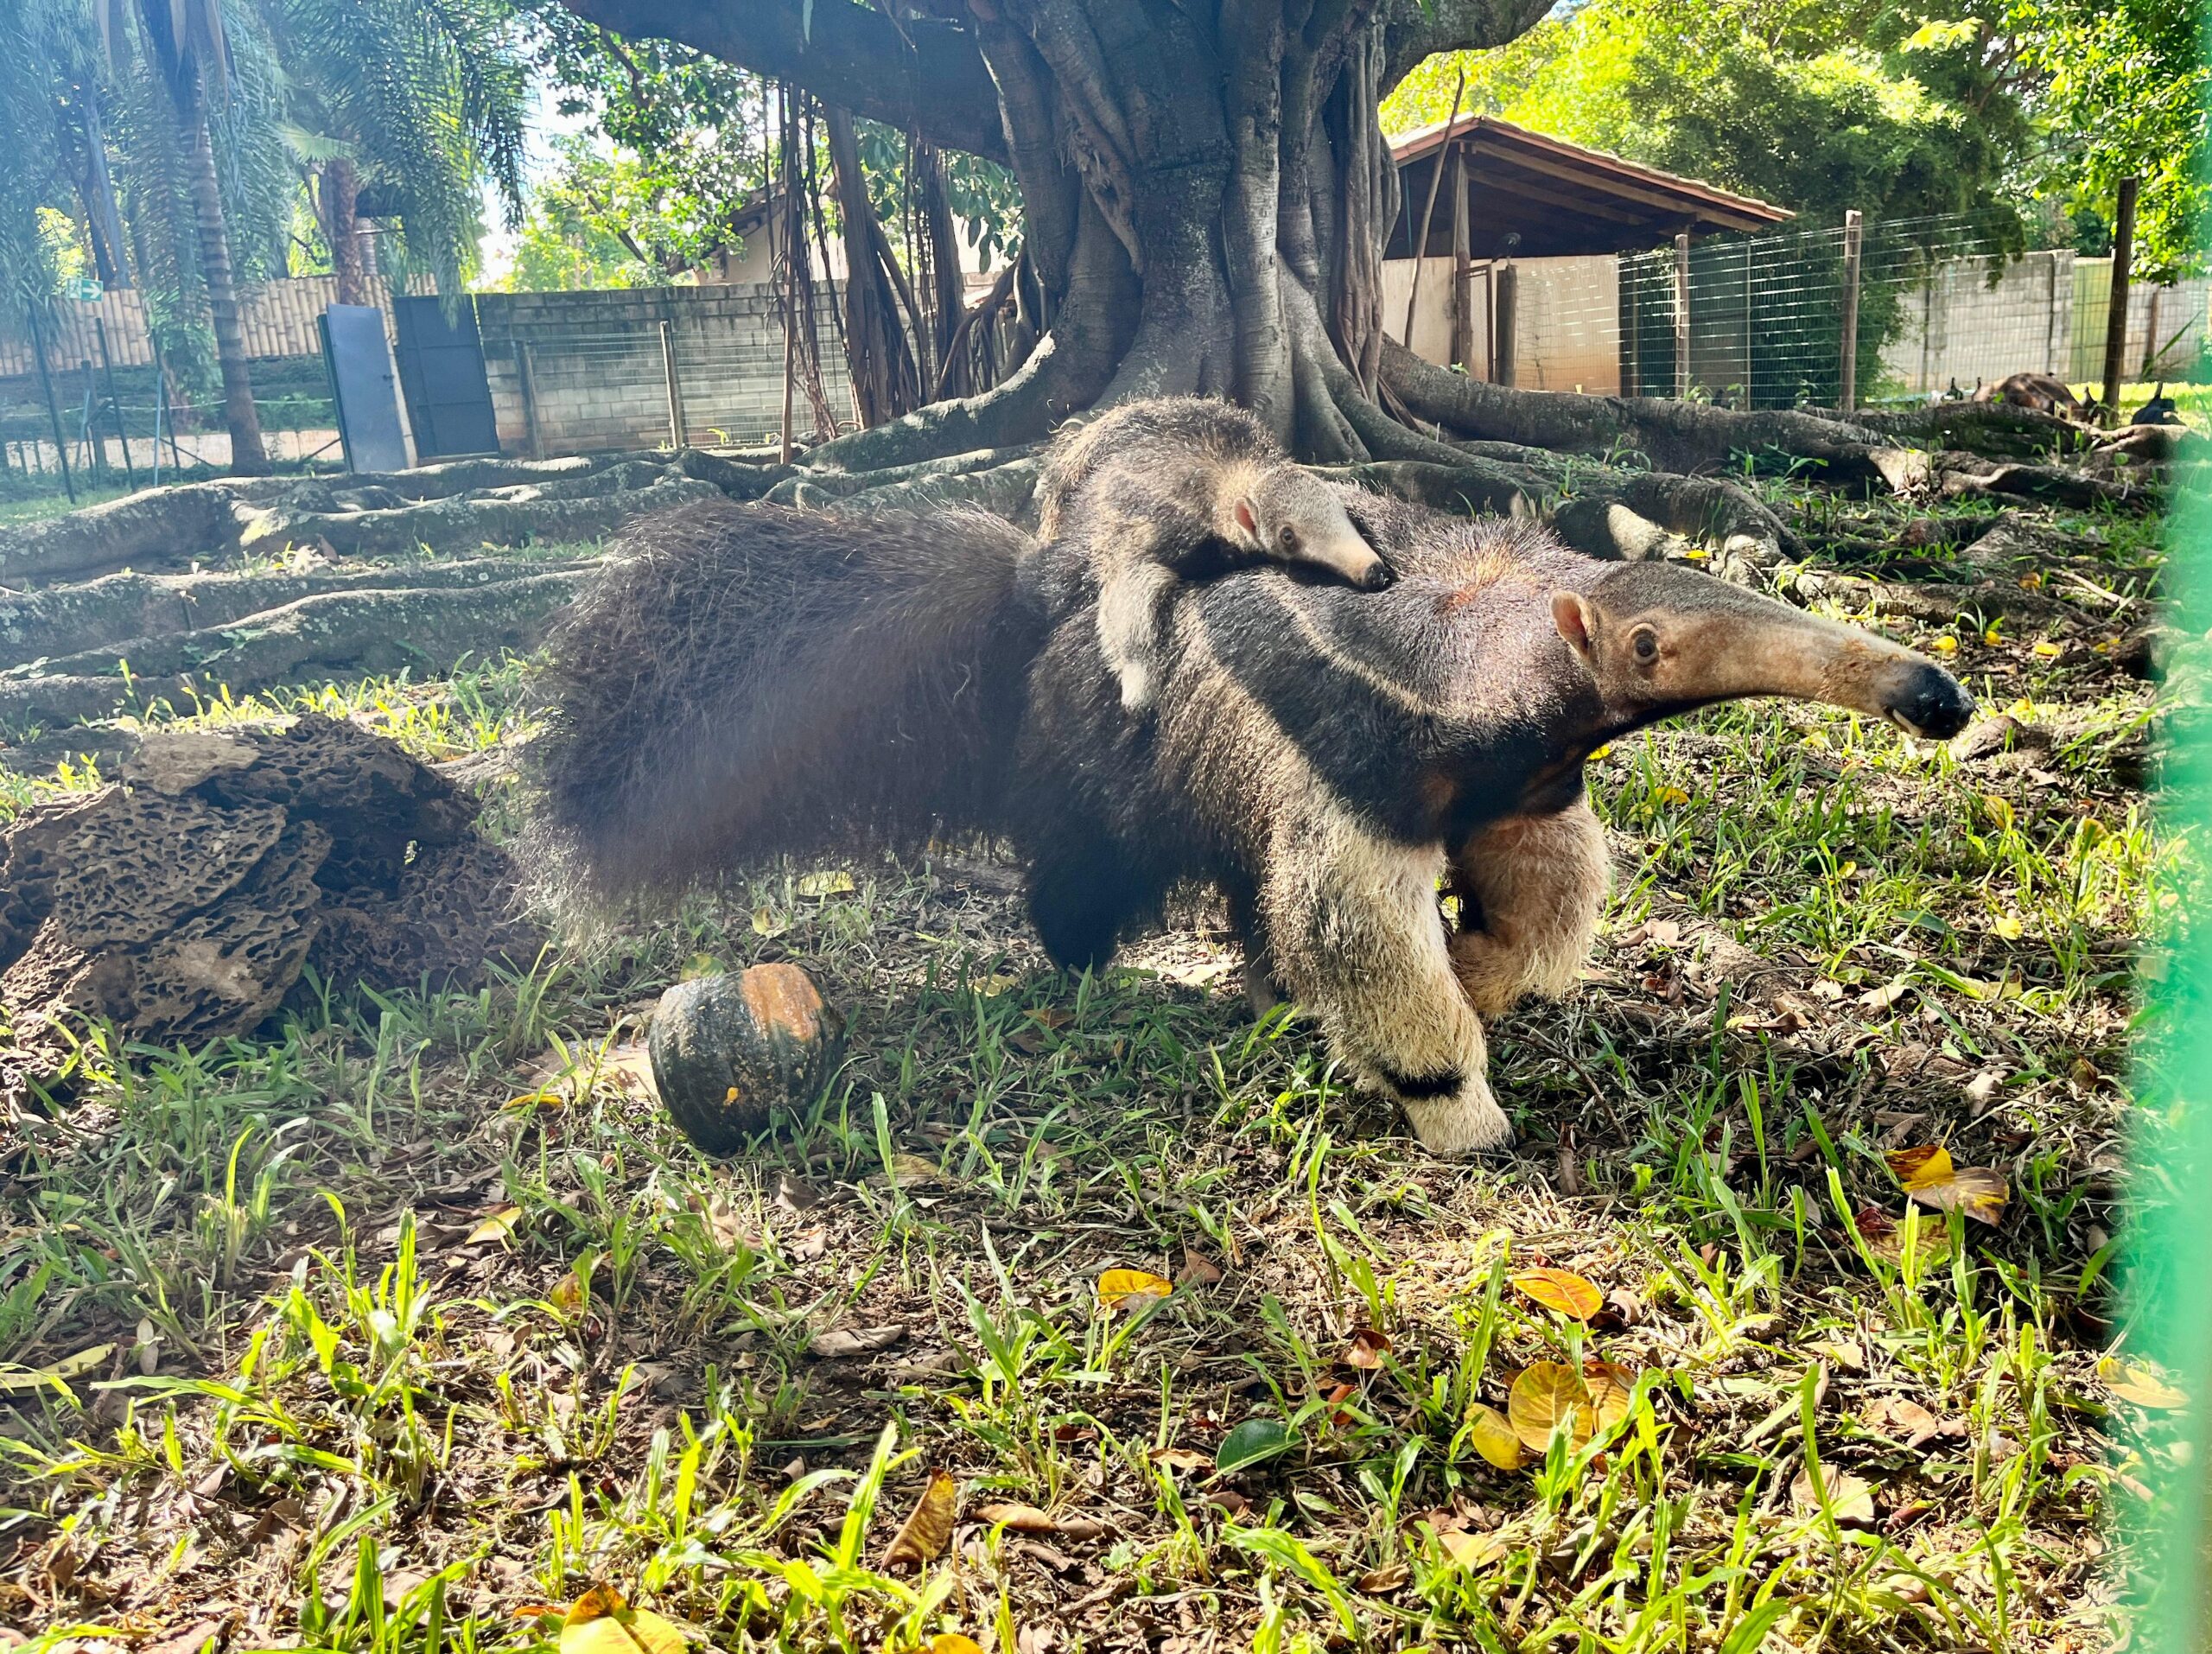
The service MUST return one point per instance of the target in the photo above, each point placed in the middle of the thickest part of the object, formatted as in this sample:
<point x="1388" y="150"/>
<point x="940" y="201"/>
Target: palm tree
<point x="418" y="100"/>
<point x="185" y="45"/>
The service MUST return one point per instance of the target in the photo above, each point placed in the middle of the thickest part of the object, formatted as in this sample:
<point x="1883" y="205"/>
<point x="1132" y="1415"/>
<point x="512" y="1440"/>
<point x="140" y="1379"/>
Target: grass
<point x="403" y="1327"/>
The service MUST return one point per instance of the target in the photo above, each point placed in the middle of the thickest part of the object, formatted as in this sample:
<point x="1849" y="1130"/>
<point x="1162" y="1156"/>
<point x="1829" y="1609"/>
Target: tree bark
<point x="884" y="381"/>
<point x="97" y="188"/>
<point x="336" y="200"/>
<point x="248" y="457"/>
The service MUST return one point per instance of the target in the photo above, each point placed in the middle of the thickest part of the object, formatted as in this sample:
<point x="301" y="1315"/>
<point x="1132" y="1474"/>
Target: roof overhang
<point x="1531" y="196"/>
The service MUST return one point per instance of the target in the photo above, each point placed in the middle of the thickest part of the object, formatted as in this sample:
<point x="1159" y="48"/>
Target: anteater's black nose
<point x="1378" y="577"/>
<point x="1933" y="703"/>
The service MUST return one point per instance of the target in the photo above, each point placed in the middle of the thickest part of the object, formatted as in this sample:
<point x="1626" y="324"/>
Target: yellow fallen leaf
<point x="2140" y="1383"/>
<point x="1610" y="1386"/>
<point x="825" y="884"/>
<point x="927" y="1529"/>
<point x="1850" y="1498"/>
<point x="2008" y="926"/>
<point x="1123" y="1288"/>
<point x="1493" y="1436"/>
<point x="767" y="922"/>
<point x="2048" y="650"/>
<point x="1561" y="1289"/>
<point x="1470" y="1550"/>
<point x="70" y="1366"/>
<point x="1669" y="795"/>
<point x="601" y="1622"/>
<point x="501" y="1225"/>
<point x="547" y="1099"/>
<point x="1945" y="645"/>
<point x="1931" y="1178"/>
<point x="1547" y="1394"/>
<point x="951" y="1642"/>
<point x="570" y="1294"/>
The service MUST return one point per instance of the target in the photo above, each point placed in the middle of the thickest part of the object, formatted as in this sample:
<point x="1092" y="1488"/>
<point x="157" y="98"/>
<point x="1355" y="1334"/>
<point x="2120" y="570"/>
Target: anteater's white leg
<point x="1537" y="886"/>
<point x="1133" y="627"/>
<point x="1355" y="934"/>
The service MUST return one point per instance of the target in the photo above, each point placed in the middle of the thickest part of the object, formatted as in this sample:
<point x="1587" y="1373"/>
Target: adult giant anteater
<point x="750" y="680"/>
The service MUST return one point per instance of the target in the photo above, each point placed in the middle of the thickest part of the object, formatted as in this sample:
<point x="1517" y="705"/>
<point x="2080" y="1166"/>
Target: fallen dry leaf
<point x="498" y="1226"/>
<point x="1183" y="1459"/>
<point x="951" y="1642"/>
<point x="601" y="1622"/>
<point x="816" y="885"/>
<point x="1903" y="1420"/>
<point x="2140" y="1383"/>
<point x="1493" y="1436"/>
<point x="1123" y="1288"/>
<point x="1198" y="1270"/>
<point x="1885" y="1237"/>
<point x="1367" y="1349"/>
<point x="571" y="1295"/>
<point x="927" y="1529"/>
<point x="1470" y="1550"/>
<point x="855" y="1340"/>
<point x="1610" y="1386"/>
<point x="1562" y="1290"/>
<point x="1381" y="1581"/>
<point x="1931" y="1178"/>
<point x="1546" y="1393"/>
<point x="1028" y="1518"/>
<point x="1850" y="1498"/>
<point x="795" y="1194"/>
<point x="70" y="1366"/>
<point x="809" y="1244"/>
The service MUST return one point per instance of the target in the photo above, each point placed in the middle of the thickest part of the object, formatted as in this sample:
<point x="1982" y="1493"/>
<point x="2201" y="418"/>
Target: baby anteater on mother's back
<point x="1152" y="491"/>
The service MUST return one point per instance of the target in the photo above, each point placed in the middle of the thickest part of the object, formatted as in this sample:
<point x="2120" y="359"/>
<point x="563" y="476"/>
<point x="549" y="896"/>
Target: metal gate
<point x="441" y="372"/>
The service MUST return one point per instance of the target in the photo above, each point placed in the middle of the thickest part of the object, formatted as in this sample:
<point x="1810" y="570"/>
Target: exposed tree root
<point x="337" y="634"/>
<point x="100" y="615"/>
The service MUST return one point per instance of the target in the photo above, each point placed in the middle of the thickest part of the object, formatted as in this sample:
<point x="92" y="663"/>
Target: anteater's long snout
<point x="1721" y="643"/>
<point x="1929" y="702"/>
<point x="1781" y="651"/>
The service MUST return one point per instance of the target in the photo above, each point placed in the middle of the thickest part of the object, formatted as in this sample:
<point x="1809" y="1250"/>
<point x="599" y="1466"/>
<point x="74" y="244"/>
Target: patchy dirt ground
<point x="406" y="1327"/>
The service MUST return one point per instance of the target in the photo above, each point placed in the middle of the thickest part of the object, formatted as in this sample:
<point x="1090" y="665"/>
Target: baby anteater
<point x="1156" y="490"/>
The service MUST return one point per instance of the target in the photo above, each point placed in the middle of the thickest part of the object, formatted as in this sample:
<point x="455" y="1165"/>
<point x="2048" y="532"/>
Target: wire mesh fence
<point x="1757" y="320"/>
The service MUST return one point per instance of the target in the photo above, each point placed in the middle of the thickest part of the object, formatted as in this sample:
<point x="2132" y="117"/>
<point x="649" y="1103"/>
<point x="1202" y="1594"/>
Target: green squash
<point x="726" y="1050"/>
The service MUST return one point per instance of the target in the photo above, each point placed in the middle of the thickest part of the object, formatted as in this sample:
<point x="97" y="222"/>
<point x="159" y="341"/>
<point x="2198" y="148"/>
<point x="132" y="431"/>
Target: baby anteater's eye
<point x="1287" y="538"/>
<point x="1646" y="645"/>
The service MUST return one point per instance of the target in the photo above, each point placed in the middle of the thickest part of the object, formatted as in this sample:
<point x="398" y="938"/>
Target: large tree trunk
<point x="248" y="458"/>
<point x="337" y="196"/>
<point x="1206" y="194"/>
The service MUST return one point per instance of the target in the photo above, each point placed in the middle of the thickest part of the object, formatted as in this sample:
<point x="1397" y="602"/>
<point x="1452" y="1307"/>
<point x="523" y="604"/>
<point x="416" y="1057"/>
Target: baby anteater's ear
<point x="1245" y="519"/>
<point x="1577" y="621"/>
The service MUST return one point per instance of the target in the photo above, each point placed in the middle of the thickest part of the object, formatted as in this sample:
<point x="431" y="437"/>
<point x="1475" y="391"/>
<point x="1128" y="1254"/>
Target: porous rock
<point x="185" y="902"/>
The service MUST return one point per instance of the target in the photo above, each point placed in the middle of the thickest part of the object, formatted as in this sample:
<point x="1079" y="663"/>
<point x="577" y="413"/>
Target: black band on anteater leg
<point x="1423" y="1088"/>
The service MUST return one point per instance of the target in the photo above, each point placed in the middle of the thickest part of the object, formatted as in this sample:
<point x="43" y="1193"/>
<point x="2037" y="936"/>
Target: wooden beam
<point x="1598" y="178"/>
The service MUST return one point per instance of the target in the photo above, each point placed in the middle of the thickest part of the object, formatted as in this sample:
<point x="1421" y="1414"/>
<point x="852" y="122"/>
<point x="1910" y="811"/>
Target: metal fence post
<point x="1463" y="265"/>
<point x="1682" y="316"/>
<point x="115" y="402"/>
<point x="52" y="413"/>
<point x="2123" y="253"/>
<point x="675" y="391"/>
<point x="1853" y="230"/>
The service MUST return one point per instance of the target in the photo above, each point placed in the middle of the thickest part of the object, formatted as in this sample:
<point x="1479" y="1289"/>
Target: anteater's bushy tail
<point x="748" y="680"/>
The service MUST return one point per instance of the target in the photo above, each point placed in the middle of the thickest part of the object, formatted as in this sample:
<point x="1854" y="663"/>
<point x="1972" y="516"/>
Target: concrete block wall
<point x="597" y="376"/>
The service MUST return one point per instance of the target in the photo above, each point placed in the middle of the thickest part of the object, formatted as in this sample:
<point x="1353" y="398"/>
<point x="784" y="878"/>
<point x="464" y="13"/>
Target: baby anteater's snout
<point x="1930" y="702"/>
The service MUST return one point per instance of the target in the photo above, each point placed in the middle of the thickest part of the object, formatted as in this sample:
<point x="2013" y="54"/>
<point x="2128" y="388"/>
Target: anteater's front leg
<point x="1354" y="932"/>
<point x="1532" y="890"/>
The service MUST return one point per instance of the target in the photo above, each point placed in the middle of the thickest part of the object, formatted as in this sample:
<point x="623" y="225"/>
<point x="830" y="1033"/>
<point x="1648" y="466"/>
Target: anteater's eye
<point x="1646" y="645"/>
<point x="1288" y="539"/>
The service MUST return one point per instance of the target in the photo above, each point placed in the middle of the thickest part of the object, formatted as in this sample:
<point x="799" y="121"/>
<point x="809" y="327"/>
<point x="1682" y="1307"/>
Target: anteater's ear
<point x="1576" y="620"/>
<point x="1245" y="520"/>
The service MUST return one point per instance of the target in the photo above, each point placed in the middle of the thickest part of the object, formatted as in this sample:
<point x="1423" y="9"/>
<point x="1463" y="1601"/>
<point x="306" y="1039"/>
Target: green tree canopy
<point x="1815" y="106"/>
